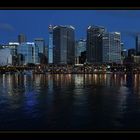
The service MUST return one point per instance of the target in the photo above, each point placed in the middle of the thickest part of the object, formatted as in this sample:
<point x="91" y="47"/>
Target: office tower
<point x="112" y="47"/>
<point x="138" y="45"/>
<point x="46" y="53"/>
<point x="122" y="45"/>
<point x="64" y="44"/>
<point x="94" y="44"/>
<point x="28" y="53"/>
<point x="80" y="47"/>
<point x="136" y="59"/>
<point x="83" y="57"/>
<point x="40" y="43"/>
<point x="5" y="56"/>
<point x="13" y="46"/>
<point x="12" y="49"/>
<point x="50" y="47"/>
<point x="21" y="38"/>
<point x="123" y="52"/>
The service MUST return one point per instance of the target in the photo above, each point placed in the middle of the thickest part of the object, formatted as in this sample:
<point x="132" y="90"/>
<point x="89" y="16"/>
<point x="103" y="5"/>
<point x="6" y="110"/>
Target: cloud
<point x="6" y="27"/>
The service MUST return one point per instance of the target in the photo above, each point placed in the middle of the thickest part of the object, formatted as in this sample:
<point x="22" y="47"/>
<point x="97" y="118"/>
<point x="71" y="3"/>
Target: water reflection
<point x="65" y="101"/>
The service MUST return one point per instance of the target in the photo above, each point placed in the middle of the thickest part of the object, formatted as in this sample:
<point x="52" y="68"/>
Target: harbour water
<point x="69" y="102"/>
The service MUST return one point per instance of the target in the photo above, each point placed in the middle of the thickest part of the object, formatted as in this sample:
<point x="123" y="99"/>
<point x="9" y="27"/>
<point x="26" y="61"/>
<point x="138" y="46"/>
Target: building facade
<point x="64" y="44"/>
<point x="21" y="38"/>
<point x="28" y="53"/>
<point x="136" y="59"/>
<point x="138" y="45"/>
<point x="80" y="46"/>
<point x="50" y="47"/>
<point x="11" y="50"/>
<point x="5" y="56"/>
<point x="40" y="43"/>
<point x="112" y="47"/>
<point x="94" y="44"/>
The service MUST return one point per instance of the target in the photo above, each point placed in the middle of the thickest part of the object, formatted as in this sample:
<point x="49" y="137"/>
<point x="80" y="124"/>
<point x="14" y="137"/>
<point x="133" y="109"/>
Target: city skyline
<point x="35" y="23"/>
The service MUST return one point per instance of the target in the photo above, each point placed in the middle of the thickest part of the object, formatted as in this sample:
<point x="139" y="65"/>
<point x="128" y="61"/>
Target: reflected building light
<point x="69" y="75"/>
<point x="115" y="77"/>
<point x="3" y="79"/>
<point x="79" y="80"/>
<point x="121" y="81"/>
<point x="95" y="78"/>
<point x="108" y="79"/>
<point x="122" y="99"/>
<point x="50" y="83"/>
<point x="69" y="78"/>
<point x="105" y="79"/>
<point x="25" y="79"/>
<point x="135" y="81"/>
<point x="16" y="79"/>
<point x="37" y="79"/>
<point x="57" y="77"/>
<point x="125" y="78"/>
<point x="9" y="83"/>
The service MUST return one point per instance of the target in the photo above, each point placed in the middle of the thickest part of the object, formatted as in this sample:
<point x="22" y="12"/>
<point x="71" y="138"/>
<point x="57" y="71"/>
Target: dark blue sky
<point x="34" y="23"/>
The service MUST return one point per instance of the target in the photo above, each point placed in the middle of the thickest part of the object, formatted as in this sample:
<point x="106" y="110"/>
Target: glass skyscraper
<point x="40" y="43"/>
<point x="29" y="53"/>
<point x="21" y="38"/>
<point x="64" y="44"/>
<point x="50" y="49"/>
<point x="138" y="45"/>
<point x="94" y="44"/>
<point x="5" y="56"/>
<point x="80" y="46"/>
<point x="12" y="48"/>
<point x="112" y="47"/>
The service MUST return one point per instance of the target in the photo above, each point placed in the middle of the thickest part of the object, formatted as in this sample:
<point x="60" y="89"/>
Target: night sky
<point x="34" y="23"/>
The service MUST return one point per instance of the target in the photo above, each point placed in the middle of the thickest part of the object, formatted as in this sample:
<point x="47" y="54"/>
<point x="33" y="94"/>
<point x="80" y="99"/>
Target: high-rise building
<point x="138" y="45"/>
<point x="94" y="44"/>
<point x="46" y="53"/>
<point x="40" y="43"/>
<point x="136" y="59"/>
<point x="12" y="49"/>
<point x="124" y="53"/>
<point x="28" y="53"/>
<point x="50" y="47"/>
<point x="5" y="56"/>
<point x="64" y="44"/>
<point x="21" y="38"/>
<point x="122" y="46"/>
<point x="131" y="57"/>
<point x="80" y="46"/>
<point x="112" y="47"/>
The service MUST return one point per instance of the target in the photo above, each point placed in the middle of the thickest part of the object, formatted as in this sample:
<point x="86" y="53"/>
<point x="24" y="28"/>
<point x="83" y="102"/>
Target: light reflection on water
<point x="69" y="102"/>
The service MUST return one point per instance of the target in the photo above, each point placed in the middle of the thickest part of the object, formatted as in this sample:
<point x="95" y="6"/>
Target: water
<point x="70" y="102"/>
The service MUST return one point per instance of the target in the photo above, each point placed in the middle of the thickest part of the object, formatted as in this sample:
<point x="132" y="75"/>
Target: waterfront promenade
<point x="71" y="69"/>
